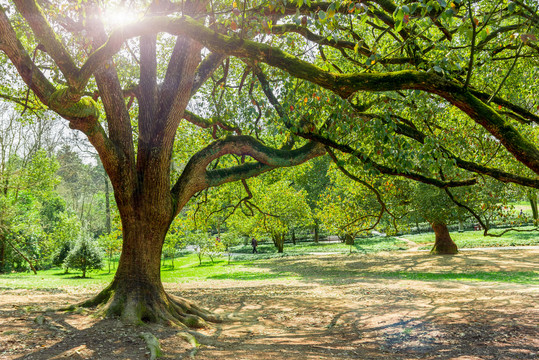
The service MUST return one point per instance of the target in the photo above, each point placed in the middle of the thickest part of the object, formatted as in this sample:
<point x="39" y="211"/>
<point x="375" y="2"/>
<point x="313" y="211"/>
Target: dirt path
<point x="338" y="307"/>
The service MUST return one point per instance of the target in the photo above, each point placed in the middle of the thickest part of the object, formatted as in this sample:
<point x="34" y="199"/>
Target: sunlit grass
<point x="247" y="266"/>
<point x="362" y="245"/>
<point x="472" y="239"/>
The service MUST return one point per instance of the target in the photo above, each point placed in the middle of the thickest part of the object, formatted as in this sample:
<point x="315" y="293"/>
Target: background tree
<point x="313" y="178"/>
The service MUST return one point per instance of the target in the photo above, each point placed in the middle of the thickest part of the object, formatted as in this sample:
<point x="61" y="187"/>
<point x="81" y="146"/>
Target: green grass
<point x="54" y="280"/>
<point x="265" y="265"/>
<point x="472" y="239"/>
<point x="362" y="245"/>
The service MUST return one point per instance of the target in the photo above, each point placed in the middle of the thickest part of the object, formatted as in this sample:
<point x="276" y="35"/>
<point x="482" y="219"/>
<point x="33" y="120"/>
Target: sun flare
<point x="119" y="16"/>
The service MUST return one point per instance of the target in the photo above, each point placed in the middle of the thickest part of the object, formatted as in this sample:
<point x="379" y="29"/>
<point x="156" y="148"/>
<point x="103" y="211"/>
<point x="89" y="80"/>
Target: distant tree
<point x="228" y="240"/>
<point x="204" y="244"/>
<point x="68" y="229"/>
<point x="85" y="256"/>
<point x="276" y="207"/>
<point x="313" y="178"/>
<point x="112" y="243"/>
<point x="59" y="256"/>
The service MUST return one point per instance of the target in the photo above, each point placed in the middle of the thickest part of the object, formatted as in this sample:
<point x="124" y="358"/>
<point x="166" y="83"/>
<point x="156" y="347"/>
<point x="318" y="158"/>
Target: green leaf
<point x="398" y="25"/>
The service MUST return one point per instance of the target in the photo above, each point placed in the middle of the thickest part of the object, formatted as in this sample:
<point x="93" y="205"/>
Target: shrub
<point x="84" y="256"/>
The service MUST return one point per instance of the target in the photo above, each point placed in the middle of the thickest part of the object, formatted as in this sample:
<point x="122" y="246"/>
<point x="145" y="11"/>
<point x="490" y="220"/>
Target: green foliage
<point x="204" y="244"/>
<point x="61" y="253"/>
<point x="84" y="256"/>
<point x="278" y="208"/>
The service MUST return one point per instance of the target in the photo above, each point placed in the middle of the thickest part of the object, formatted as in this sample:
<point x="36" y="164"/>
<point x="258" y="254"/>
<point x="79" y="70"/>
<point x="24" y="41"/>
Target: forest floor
<point x="396" y="305"/>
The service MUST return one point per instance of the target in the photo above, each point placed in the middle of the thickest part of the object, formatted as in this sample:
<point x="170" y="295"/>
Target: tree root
<point x="148" y="305"/>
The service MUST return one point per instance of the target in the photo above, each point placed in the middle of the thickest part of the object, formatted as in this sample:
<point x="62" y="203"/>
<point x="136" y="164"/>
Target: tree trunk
<point x="278" y="240"/>
<point x="348" y="239"/>
<point x="107" y="205"/>
<point x="532" y="196"/>
<point x="2" y="255"/>
<point x="136" y="294"/>
<point x="294" y="236"/>
<point x="316" y="233"/>
<point x="443" y="244"/>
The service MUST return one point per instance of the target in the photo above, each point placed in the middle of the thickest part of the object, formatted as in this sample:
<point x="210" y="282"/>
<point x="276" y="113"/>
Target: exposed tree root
<point x="143" y="303"/>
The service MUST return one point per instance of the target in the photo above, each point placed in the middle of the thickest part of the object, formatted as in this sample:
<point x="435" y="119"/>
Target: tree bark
<point x="443" y="244"/>
<point x="532" y="197"/>
<point x="348" y="239"/>
<point x="136" y="294"/>
<point x="2" y="254"/>
<point x="316" y="233"/>
<point x="278" y="240"/>
<point x="107" y="204"/>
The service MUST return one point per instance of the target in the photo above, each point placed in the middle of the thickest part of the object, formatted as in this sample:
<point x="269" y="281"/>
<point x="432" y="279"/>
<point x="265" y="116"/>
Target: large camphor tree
<point x="434" y="91"/>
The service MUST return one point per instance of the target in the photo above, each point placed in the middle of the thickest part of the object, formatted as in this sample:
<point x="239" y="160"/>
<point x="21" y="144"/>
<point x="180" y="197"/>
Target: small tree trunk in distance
<point x="107" y="204"/>
<point x="110" y="258"/>
<point x="278" y="240"/>
<point x="443" y="244"/>
<point x="294" y="236"/>
<point x="532" y="196"/>
<point x="2" y="255"/>
<point x="316" y="233"/>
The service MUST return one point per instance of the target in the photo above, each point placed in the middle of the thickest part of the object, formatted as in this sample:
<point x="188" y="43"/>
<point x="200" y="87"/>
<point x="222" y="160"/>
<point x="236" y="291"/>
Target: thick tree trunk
<point x="136" y="294"/>
<point x="443" y="244"/>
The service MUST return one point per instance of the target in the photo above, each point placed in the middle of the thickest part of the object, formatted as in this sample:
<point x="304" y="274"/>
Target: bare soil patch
<point x="339" y="307"/>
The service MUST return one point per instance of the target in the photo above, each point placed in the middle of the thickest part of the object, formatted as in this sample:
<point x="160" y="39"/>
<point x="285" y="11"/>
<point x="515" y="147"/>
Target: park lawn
<point x="475" y="239"/>
<point x="188" y="270"/>
<point x="362" y="245"/>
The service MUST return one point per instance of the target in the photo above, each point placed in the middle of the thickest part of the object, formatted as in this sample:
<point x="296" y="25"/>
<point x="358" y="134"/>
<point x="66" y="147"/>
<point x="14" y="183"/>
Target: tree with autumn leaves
<point x="424" y="90"/>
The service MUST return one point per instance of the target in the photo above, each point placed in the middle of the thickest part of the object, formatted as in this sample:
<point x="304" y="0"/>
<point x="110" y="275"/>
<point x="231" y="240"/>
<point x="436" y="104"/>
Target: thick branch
<point x="43" y="31"/>
<point x="196" y="177"/>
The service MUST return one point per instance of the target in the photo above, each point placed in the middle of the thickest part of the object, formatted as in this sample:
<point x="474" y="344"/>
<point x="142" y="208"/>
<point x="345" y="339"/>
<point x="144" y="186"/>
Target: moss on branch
<point x="61" y="102"/>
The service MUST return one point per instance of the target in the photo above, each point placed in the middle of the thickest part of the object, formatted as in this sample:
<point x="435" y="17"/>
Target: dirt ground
<point x="337" y="308"/>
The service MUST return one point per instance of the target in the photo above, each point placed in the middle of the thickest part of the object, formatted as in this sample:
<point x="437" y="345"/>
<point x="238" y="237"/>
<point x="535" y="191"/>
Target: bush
<point x="58" y="258"/>
<point x="85" y="256"/>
